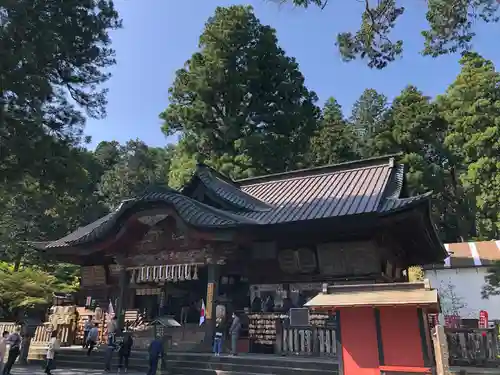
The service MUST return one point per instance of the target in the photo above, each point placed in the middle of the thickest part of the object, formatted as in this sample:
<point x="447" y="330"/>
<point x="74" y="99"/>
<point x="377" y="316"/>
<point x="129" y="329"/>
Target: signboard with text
<point x="210" y="301"/>
<point x="483" y="319"/>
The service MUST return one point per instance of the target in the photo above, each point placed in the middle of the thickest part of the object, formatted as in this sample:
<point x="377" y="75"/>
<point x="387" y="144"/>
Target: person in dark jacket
<point x="219" y="334"/>
<point x="110" y="349"/>
<point x="124" y="352"/>
<point x="234" y="331"/>
<point x="156" y="353"/>
<point x="14" y="340"/>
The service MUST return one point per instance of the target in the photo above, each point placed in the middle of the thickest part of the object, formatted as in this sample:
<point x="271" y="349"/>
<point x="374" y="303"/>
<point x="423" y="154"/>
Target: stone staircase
<point x="200" y="363"/>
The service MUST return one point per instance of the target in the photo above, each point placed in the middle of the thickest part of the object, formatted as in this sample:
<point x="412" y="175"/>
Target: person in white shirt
<point x="51" y="352"/>
<point x="3" y="348"/>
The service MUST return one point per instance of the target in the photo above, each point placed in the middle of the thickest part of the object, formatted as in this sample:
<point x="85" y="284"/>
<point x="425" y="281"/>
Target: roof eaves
<point x="393" y="205"/>
<point x="228" y="191"/>
<point x="211" y="217"/>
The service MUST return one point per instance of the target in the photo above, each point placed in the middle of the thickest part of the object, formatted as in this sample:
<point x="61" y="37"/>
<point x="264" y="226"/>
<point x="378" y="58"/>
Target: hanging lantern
<point x="187" y="271"/>
<point x="143" y="274"/>
<point x="176" y="273"/>
<point x="132" y="275"/>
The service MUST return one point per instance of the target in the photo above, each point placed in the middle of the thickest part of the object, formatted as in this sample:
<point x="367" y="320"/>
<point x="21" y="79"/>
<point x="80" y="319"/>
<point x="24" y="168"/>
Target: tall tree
<point x="450" y="28"/>
<point x="415" y="128"/>
<point x="241" y="96"/>
<point x="44" y="81"/>
<point x="137" y="168"/>
<point x="336" y="140"/>
<point x="32" y="211"/>
<point x="108" y="153"/>
<point x="471" y="105"/>
<point x="368" y="113"/>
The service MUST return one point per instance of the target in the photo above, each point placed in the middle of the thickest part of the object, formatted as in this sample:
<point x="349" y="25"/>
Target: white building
<point x="460" y="279"/>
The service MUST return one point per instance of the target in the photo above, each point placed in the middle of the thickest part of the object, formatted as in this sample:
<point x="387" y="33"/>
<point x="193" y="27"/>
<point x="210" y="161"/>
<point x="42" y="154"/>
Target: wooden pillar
<point x="213" y="272"/>
<point x="124" y="280"/>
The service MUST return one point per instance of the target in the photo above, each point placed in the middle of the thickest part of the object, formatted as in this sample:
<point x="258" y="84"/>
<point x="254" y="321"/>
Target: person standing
<point x="110" y="349"/>
<point x="86" y="329"/>
<point x="14" y="340"/>
<point x="124" y="352"/>
<point x="51" y="352"/>
<point x="234" y="331"/>
<point x="113" y="325"/>
<point x="92" y="338"/>
<point x="156" y="353"/>
<point x="219" y="334"/>
<point x="3" y="348"/>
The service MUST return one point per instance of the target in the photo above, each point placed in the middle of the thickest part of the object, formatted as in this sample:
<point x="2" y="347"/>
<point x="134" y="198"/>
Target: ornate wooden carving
<point x="348" y="258"/>
<point x="302" y="260"/>
<point x="93" y="275"/>
<point x="163" y="236"/>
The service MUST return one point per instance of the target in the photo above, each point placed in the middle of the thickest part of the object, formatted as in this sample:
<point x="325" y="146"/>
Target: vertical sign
<point x="210" y="300"/>
<point x="483" y="319"/>
<point x="432" y="319"/>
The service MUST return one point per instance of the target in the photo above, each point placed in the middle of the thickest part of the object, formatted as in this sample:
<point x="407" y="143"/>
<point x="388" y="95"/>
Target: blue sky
<point x="160" y="35"/>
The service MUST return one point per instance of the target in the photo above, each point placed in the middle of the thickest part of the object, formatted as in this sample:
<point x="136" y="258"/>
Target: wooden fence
<point x="308" y="341"/>
<point x="8" y="326"/>
<point x="472" y="347"/>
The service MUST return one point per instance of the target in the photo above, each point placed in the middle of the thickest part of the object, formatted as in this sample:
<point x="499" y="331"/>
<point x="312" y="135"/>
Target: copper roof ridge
<point x="322" y="170"/>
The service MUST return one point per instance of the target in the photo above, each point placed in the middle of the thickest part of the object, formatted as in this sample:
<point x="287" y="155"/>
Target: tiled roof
<point x="323" y="195"/>
<point x="390" y="205"/>
<point x="229" y="191"/>
<point x="191" y="211"/>
<point x="383" y="294"/>
<point x="469" y="254"/>
<point x="371" y="186"/>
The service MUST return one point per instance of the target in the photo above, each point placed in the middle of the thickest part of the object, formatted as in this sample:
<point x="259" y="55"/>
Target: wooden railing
<point x="307" y="341"/>
<point x="65" y="334"/>
<point x="473" y="347"/>
<point x="9" y="327"/>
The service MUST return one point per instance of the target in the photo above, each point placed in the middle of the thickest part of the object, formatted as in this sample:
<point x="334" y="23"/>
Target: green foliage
<point x="450" y="28"/>
<point x="135" y="167"/>
<point x="240" y="97"/>
<point x="471" y="106"/>
<point x="64" y="62"/>
<point x="416" y="273"/>
<point x="26" y="288"/>
<point x="368" y="113"/>
<point x="492" y="282"/>
<point x="335" y="141"/>
<point x="451" y="302"/>
<point x="414" y="127"/>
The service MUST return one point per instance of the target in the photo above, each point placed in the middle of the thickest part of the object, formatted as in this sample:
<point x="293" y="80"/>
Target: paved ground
<point x="38" y="371"/>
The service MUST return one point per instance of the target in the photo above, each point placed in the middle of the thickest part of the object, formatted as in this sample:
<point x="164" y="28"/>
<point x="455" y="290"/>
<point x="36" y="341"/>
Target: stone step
<point x="203" y="364"/>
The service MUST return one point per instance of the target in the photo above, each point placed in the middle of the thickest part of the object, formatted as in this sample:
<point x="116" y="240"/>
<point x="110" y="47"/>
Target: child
<point x="124" y="352"/>
<point x="219" y="333"/>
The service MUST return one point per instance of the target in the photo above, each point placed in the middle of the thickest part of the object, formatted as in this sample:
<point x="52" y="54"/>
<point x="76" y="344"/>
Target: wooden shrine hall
<point x="256" y="246"/>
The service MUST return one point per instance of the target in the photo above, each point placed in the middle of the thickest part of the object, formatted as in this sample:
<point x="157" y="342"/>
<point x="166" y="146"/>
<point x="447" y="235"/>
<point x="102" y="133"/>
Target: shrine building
<point x="258" y="247"/>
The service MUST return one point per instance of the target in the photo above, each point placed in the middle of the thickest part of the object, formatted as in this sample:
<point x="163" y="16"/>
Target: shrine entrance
<point x="174" y="290"/>
<point x="183" y="299"/>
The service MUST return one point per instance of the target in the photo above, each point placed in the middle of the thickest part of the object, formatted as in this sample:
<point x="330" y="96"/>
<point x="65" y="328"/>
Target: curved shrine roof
<point x="367" y="187"/>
